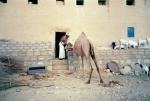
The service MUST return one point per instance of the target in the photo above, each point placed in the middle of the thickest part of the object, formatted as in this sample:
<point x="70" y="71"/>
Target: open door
<point x="58" y="36"/>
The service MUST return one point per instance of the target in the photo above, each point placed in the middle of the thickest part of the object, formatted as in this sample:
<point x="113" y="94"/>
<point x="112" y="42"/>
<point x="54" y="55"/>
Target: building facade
<point x="103" y="21"/>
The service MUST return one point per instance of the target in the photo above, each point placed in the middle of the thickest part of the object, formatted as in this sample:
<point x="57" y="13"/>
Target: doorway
<point x="58" y="36"/>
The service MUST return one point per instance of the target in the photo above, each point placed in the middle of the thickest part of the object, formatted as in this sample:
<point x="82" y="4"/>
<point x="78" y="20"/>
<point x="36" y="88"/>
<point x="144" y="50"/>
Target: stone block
<point x="41" y="57"/>
<point x="34" y="58"/>
<point x="6" y="53"/>
<point x="109" y="52"/>
<point x="147" y="51"/>
<point x="15" y="48"/>
<point x="36" y="52"/>
<point x="144" y="56"/>
<point x="14" y="54"/>
<point x="115" y="52"/>
<point x="26" y="47"/>
<point x="49" y="68"/>
<point x="138" y="56"/>
<point x="29" y="53"/>
<point x="44" y="53"/>
<point x="22" y="53"/>
<point x="46" y="63"/>
<point x="1" y="48"/>
<point x="102" y="52"/>
<point x="135" y="52"/>
<point x="26" y="58"/>
<point x="141" y="52"/>
<point x="40" y="63"/>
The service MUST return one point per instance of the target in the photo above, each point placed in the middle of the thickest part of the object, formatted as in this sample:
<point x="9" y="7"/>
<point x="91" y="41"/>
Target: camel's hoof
<point x="87" y="82"/>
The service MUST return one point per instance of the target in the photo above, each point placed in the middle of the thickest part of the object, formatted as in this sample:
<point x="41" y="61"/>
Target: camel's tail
<point x="92" y="51"/>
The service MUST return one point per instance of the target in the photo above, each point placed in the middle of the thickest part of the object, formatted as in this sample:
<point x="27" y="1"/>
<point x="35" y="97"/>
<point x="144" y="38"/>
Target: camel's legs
<point x="89" y="63"/>
<point x="94" y="59"/>
<point x="82" y="66"/>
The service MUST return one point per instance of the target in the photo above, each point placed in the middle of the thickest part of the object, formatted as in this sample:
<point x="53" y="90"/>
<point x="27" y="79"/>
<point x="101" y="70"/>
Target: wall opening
<point x="33" y="1"/>
<point x="80" y="2"/>
<point x="102" y="2"/>
<point x="3" y="1"/>
<point x="130" y="2"/>
<point x="130" y="32"/>
<point x="58" y="36"/>
<point x="60" y="2"/>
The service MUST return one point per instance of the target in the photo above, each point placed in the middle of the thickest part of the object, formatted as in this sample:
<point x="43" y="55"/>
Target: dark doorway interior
<point x="57" y="40"/>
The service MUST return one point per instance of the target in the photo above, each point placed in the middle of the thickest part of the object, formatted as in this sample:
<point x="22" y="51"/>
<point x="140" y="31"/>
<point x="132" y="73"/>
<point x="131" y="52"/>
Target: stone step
<point x="60" y="67"/>
<point x="59" y="62"/>
<point x="59" y="71"/>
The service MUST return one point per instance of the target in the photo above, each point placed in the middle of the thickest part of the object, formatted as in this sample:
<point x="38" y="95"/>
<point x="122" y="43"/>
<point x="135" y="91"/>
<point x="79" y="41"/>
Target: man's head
<point x="67" y="34"/>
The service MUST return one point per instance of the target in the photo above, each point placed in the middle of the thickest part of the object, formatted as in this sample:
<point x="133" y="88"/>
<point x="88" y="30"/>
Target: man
<point x="62" y="44"/>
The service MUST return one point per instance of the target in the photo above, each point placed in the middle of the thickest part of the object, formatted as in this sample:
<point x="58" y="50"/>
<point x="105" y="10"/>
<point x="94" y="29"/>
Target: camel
<point x="84" y="48"/>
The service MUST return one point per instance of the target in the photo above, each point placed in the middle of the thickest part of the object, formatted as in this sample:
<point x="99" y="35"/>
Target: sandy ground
<point x="73" y="88"/>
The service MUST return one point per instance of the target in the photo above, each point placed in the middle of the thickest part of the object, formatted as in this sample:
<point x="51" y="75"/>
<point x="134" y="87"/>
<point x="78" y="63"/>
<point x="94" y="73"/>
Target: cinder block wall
<point x="29" y="54"/>
<point x="122" y="57"/>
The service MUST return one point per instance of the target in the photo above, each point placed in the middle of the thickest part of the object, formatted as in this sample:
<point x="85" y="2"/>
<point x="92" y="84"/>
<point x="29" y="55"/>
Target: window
<point x="60" y="2"/>
<point x="3" y="1"/>
<point x="130" y="31"/>
<point x="102" y="2"/>
<point x="80" y="2"/>
<point x="130" y="2"/>
<point x="33" y="1"/>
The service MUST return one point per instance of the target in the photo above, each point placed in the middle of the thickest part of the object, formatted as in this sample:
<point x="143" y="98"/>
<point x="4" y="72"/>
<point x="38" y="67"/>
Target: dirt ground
<point x="62" y="87"/>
